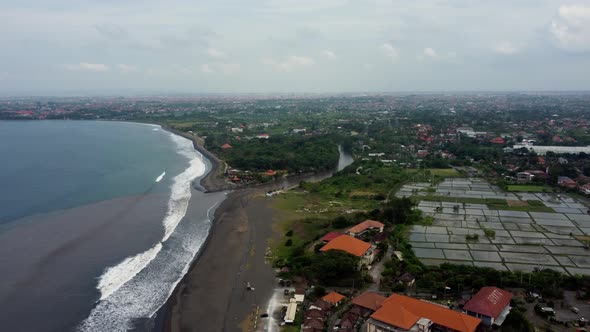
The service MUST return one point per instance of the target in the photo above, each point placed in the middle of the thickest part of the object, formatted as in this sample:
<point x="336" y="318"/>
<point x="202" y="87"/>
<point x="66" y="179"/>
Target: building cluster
<point x="375" y="312"/>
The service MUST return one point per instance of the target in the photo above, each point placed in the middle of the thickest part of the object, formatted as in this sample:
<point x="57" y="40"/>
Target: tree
<point x="335" y="268"/>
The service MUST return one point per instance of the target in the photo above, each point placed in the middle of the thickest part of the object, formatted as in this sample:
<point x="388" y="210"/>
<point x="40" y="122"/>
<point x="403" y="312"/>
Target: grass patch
<point x="492" y="203"/>
<point x="445" y="172"/>
<point x="529" y="188"/>
<point x="490" y="233"/>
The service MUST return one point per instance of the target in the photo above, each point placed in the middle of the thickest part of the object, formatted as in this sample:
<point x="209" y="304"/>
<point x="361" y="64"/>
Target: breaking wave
<point x="138" y="286"/>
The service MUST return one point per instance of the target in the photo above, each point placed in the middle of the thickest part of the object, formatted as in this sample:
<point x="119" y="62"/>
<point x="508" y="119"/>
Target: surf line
<point x="159" y="178"/>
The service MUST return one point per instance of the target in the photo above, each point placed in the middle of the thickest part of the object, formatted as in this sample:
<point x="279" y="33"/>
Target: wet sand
<point x="213" y="295"/>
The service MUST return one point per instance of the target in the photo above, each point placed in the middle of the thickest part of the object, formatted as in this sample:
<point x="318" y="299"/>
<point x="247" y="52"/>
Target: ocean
<point x="96" y="228"/>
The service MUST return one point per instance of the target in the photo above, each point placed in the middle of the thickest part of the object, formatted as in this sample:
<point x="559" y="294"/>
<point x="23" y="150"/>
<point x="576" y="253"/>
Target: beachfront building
<point x="361" y="249"/>
<point x="490" y="304"/>
<point x="364" y="227"/>
<point x="401" y="313"/>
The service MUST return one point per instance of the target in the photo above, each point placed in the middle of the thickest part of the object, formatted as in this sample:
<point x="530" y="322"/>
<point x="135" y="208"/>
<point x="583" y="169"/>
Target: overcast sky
<point x="293" y="45"/>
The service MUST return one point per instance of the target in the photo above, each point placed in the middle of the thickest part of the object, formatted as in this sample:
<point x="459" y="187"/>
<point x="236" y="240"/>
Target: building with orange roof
<point x="226" y="146"/>
<point x="402" y="313"/>
<point x="369" y="302"/>
<point x="334" y="298"/>
<point x="363" y="250"/>
<point x="365" y="226"/>
<point x="270" y="172"/>
<point x="497" y="140"/>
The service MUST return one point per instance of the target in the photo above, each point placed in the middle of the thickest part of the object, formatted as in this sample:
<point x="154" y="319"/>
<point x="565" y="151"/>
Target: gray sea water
<point x="95" y="224"/>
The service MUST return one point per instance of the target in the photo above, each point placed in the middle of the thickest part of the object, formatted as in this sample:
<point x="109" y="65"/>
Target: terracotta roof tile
<point x="359" y="228"/>
<point x="333" y="298"/>
<point x="489" y="301"/>
<point x="348" y="244"/>
<point x="404" y="312"/>
<point x="369" y="300"/>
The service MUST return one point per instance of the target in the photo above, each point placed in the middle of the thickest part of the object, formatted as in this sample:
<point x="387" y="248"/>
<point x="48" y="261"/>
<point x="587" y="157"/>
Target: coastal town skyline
<point x="93" y="47"/>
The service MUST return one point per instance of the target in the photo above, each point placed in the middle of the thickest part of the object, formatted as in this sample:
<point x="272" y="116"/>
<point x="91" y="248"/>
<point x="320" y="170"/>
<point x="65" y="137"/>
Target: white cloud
<point x="85" y="66"/>
<point x="126" y="69"/>
<point x="389" y="50"/>
<point x="230" y="68"/>
<point x="429" y="52"/>
<point x="291" y="63"/>
<point x="328" y="54"/>
<point x="215" y="53"/>
<point x="506" y="48"/>
<point x="206" y="68"/>
<point x="571" y="27"/>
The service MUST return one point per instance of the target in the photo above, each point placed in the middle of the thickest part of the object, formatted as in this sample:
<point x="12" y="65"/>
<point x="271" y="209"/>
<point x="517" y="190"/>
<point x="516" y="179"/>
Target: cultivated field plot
<point x="472" y="226"/>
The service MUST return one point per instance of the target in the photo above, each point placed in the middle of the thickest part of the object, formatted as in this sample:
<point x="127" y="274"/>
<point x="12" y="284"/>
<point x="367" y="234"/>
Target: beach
<point x="213" y="295"/>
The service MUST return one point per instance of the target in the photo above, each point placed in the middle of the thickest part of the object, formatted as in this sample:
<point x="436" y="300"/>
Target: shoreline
<point x="211" y="296"/>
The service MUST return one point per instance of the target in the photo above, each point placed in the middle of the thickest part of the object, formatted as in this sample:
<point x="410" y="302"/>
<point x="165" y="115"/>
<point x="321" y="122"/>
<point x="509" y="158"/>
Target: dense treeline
<point x="290" y="153"/>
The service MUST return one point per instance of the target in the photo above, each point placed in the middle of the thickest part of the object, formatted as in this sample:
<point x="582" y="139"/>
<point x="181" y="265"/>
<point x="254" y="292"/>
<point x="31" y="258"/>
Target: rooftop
<point x="404" y="312"/>
<point x="369" y="300"/>
<point x="348" y="244"/>
<point x="359" y="228"/>
<point x="333" y="298"/>
<point x="489" y="301"/>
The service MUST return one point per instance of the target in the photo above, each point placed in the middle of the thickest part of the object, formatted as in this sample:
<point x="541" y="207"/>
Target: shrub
<point x="289" y="243"/>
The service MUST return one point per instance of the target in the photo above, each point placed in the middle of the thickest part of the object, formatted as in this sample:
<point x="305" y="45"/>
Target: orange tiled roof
<point x="364" y="225"/>
<point x="333" y="298"/>
<point x="348" y="244"/>
<point x="369" y="300"/>
<point x="404" y="312"/>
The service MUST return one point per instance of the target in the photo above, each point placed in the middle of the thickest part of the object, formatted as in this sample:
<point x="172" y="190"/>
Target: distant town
<point x="457" y="212"/>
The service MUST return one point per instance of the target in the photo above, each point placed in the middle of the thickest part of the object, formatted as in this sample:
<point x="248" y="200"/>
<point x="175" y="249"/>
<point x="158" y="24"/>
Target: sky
<point x="283" y="46"/>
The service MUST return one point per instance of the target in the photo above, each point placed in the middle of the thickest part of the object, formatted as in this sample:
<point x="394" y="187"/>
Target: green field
<point x="529" y="188"/>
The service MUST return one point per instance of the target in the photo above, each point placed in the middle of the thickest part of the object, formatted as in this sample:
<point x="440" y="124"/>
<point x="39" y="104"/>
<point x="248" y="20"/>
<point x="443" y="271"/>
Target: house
<point x="497" y="140"/>
<point x="330" y="236"/>
<point x="291" y="312"/>
<point x="334" y="298"/>
<point x="365" y="226"/>
<point x="368" y="302"/>
<point x="524" y="177"/>
<point x="348" y="321"/>
<point x="585" y="189"/>
<point x="321" y="305"/>
<point x="270" y="172"/>
<point x="407" y="279"/>
<point x="316" y="313"/>
<point x="365" y="251"/>
<point x="562" y="161"/>
<point x="226" y="146"/>
<point x="564" y="181"/>
<point x="299" y="298"/>
<point x="313" y="324"/>
<point x="490" y="304"/>
<point x="402" y="313"/>
<point x="263" y="136"/>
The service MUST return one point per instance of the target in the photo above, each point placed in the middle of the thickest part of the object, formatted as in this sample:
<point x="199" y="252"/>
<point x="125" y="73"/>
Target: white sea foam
<point x="140" y="285"/>
<point x="181" y="186"/>
<point x="161" y="177"/>
<point x="114" y="277"/>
